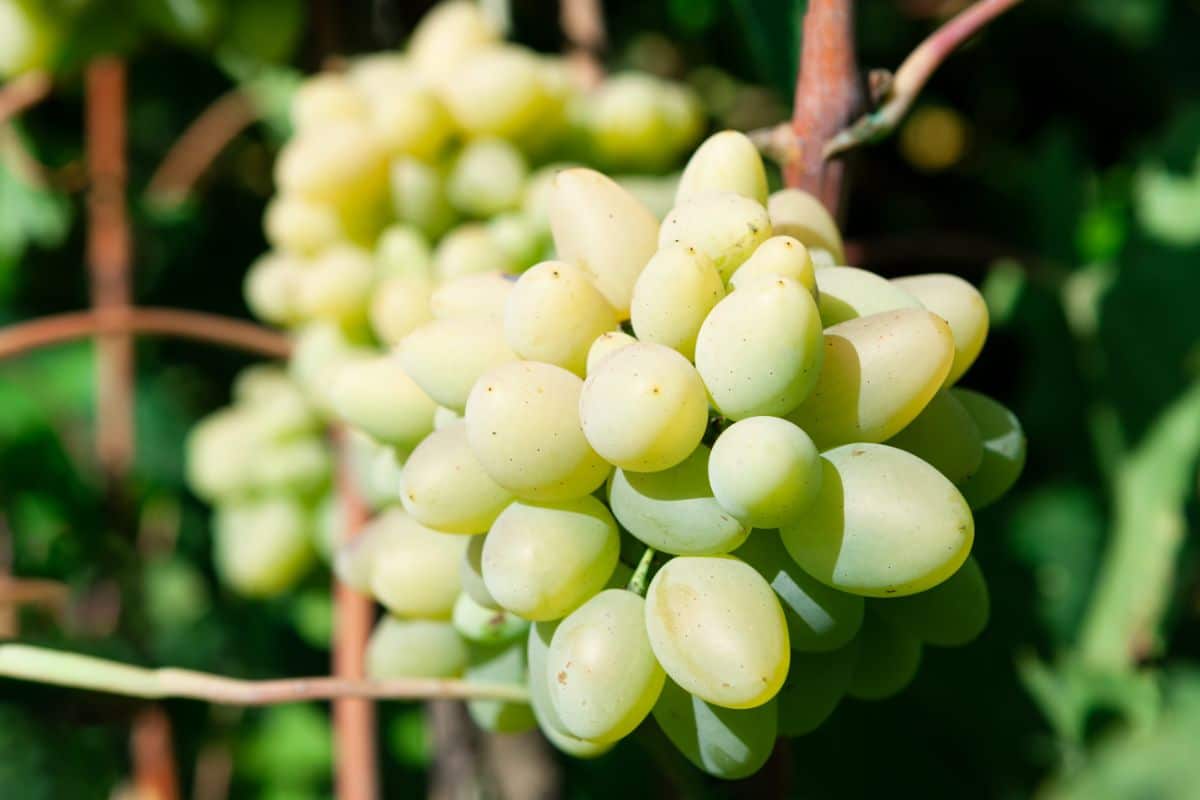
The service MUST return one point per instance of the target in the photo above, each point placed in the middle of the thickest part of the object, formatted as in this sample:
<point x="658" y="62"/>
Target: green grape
<point x="726" y="743"/>
<point x="816" y="684"/>
<point x="885" y="524"/>
<point x="354" y="558"/>
<point x="644" y="408"/>
<point x="520" y="242"/>
<point x="414" y="648"/>
<point x="445" y="416"/>
<point x="336" y="286"/>
<point x="466" y="250"/>
<point x="523" y="426"/>
<point x="764" y="471"/>
<point x="487" y="177"/>
<point x="674" y="510"/>
<point x="950" y="614"/>
<point x="797" y="213"/>
<point x="274" y="401"/>
<point x="686" y="118"/>
<point x="672" y="297"/>
<point x="603" y="676"/>
<point x="499" y="664"/>
<point x="445" y="487"/>
<point x="626" y="124"/>
<point x="450" y="33"/>
<point x="727" y="162"/>
<point x="605" y="345"/>
<point x="219" y="464"/>
<point x="554" y="313"/>
<point x="28" y="38"/>
<point x="819" y="618"/>
<point x="718" y="630"/>
<point x="419" y="197"/>
<point x="499" y="91"/>
<point x="888" y="659"/>
<point x="318" y="351"/>
<point x="325" y="98"/>
<point x="471" y="574"/>
<point x="760" y="350"/>
<point x="374" y="74"/>
<point x="378" y="397"/>
<point x="415" y="573"/>
<point x="297" y="466"/>
<point x="604" y="229"/>
<point x="1003" y="449"/>
<point x="398" y="306"/>
<point x="406" y="117"/>
<point x="849" y="293"/>
<point x="779" y="255"/>
<point x="486" y="625"/>
<point x="337" y="162"/>
<point x="299" y="226"/>
<point x="262" y="548"/>
<point x="376" y="469"/>
<point x="446" y="357"/>
<point x="945" y="436"/>
<point x="543" y="561"/>
<point x="538" y="645"/>
<point x="723" y="226"/>
<point x="272" y="288"/>
<point x="879" y="372"/>
<point x="963" y="308"/>
<point x="402" y="251"/>
<point x="482" y="295"/>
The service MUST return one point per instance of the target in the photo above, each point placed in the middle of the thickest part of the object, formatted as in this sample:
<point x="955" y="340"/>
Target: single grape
<point x="543" y="561"/>
<point x="354" y="559"/>
<point x="219" y="465"/>
<point x="760" y="350"/>
<point x="466" y="250"/>
<point x="723" y="226"/>
<point x="816" y="684"/>
<point x="627" y="125"/>
<point x="298" y="467"/>
<point x="324" y="98"/>
<point x="499" y="664"/>
<point x="444" y="417"/>
<point x="603" y="676"/>
<point x="318" y="351"/>
<point x="674" y="510"/>
<point x="398" y="306"/>
<point x="415" y="573"/>
<point x="797" y="213"/>
<point x="849" y="293"/>
<point x="888" y="660"/>
<point x="337" y="163"/>
<point x="644" y="409"/>
<point x="272" y="288"/>
<point x="724" y="742"/>
<point x="263" y="547"/>
<point x="945" y="436"/>
<point x="500" y="91"/>
<point x="885" y="524"/>
<point x="377" y="396"/>
<point x="470" y="574"/>
<point x="414" y="648"/>
<point x="779" y="255"/>
<point x="486" y="625"/>
<point x="606" y="344"/>
<point x="963" y="308"/>
<point x="718" y="630"/>
<point x="419" y="197"/>
<point x="673" y="295"/>
<point x="950" y="614"/>
<point x="446" y="357"/>
<point x="487" y="178"/>
<point x="819" y="617"/>
<point x="878" y="373"/>
<point x="554" y="313"/>
<point x="520" y="242"/>
<point x="764" y="471"/>
<point x="336" y="286"/>
<point x="406" y="117"/>
<point x="449" y="34"/>
<point x="727" y="162"/>
<point x="297" y="225"/>
<point x="402" y="251"/>
<point x="1003" y="449"/>
<point x="523" y="426"/>
<point x="538" y="645"/>
<point x="480" y="295"/>
<point x="445" y="487"/>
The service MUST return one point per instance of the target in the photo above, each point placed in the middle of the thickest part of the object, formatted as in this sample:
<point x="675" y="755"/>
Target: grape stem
<point x="641" y="575"/>
<point x="58" y="668"/>
<point x="23" y="92"/>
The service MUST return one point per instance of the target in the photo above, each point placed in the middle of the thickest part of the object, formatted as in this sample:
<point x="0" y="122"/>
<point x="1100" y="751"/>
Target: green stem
<point x="641" y="575"/>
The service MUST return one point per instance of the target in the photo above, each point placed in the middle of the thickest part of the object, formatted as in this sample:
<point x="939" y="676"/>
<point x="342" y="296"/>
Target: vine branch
<point x="199" y="145"/>
<point x="22" y="93"/>
<point x="582" y="23"/>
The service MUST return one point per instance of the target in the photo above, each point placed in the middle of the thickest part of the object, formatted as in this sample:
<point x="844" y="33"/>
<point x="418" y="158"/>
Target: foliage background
<point x="1075" y="205"/>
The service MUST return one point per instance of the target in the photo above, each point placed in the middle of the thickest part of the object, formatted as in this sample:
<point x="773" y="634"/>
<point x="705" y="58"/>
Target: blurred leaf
<point x="32" y="215"/>
<point x="264" y="31"/>
<point x="772" y="31"/>
<point x="291" y="748"/>
<point x="1136" y="22"/>
<point x="1072" y="694"/>
<point x="408" y="737"/>
<point x="1168" y="205"/>
<point x="312" y="616"/>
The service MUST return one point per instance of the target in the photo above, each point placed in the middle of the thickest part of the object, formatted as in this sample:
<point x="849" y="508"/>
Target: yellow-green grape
<point x="686" y="119"/>
<point x="499" y="91"/>
<point x="381" y="486"/>
<point x="298" y="466"/>
<point x="445" y="416"/>
<point x="779" y="255"/>
<point x="481" y="295"/>
<point x="377" y="396"/>
<point x="263" y="547"/>
<point x="337" y="286"/>
<point x="819" y="618"/>
<point x="879" y="372"/>
<point x="885" y="524"/>
<point x="447" y="35"/>
<point x="300" y="226"/>
<point x="339" y="162"/>
<point x="374" y="73"/>
<point x="644" y="408"/>
<point x="888" y="659"/>
<point x="798" y="214"/>
<point x="414" y="648"/>
<point x="445" y="487"/>
<point x="446" y="356"/>
<point x="816" y="684"/>
<point x="272" y="288"/>
<point x="848" y="293"/>
<point x="950" y="614"/>
<point x="538" y="645"/>
<point x="487" y="177"/>
<point x="407" y="118"/>
<point x="726" y="743"/>
<point x="318" y="351"/>
<point x="945" y="436"/>
<point x="674" y="510"/>
<point x="764" y="471"/>
<point x="520" y="242"/>
<point x="604" y="229"/>
<point x="605" y="345"/>
<point x="419" y="196"/>
<point x="603" y="676"/>
<point x="718" y="630"/>
<point x="398" y="306"/>
<point x="523" y="426"/>
<point x="354" y="558"/>
<point x="499" y="664"/>
<point x="672" y="297"/>
<point x="277" y="405"/>
<point x="324" y="98"/>
<point x="416" y="569"/>
<point x="543" y="561"/>
<point x="727" y="162"/>
<point x="723" y="226"/>
<point x="554" y="313"/>
<point x="1003" y="449"/>
<point x="402" y="251"/>
<point x="471" y="574"/>
<point x="28" y="38"/>
<point x="626" y="124"/>
<point x="486" y="625"/>
<point x="760" y="350"/>
<point x="466" y="250"/>
<point x="963" y="308"/>
<point x="219" y="464"/>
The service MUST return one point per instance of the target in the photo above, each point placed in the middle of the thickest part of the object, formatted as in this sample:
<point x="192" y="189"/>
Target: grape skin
<point x="724" y="742"/>
<point x="444" y="486"/>
<point x="764" y="471"/>
<point x="950" y="614"/>
<point x="414" y="649"/>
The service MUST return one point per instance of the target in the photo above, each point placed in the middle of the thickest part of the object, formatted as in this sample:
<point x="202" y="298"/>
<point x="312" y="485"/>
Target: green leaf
<point x="772" y="30"/>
